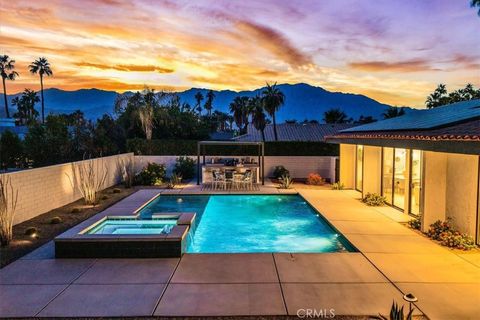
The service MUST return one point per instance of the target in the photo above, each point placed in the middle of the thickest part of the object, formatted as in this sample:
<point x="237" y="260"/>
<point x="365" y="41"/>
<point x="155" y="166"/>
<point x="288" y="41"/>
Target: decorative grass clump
<point x="286" y="182"/>
<point x="56" y="220"/>
<point x="374" y="200"/>
<point x="338" y="186"/>
<point x="31" y="231"/>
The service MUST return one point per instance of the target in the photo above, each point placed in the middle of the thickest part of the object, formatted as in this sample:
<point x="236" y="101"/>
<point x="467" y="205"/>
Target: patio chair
<point x="218" y="180"/>
<point x="247" y="181"/>
<point x="228" y="178"/>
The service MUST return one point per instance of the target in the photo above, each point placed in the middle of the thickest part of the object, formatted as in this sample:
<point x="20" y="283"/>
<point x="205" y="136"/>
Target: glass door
<point x="359" y="169"/>
<point x="400" y="178"/>
<point x="415" y="181"/>
<point x="387" y="174"/>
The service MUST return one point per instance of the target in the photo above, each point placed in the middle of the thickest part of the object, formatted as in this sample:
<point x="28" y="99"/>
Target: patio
<point x="393" y="260"/>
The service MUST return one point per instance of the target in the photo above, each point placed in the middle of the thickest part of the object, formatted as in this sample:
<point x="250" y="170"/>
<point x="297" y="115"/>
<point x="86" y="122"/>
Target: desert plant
<point x="416" y="223"/>
<point x="280" y="171"/>
<point x="153" y="174"/>
<point x="286" y="182"/>
<point x="89" y="177"/>
<point x="127" y="171"/>
<point x="8" y="204"/>
<point x="185" y="167"/>
<point x="55" y="220"/>
<point x="174" y="180"/>
<point x="374" y="200"/>
<point x="338" y="186"/>
<point x="315" y="179"/>
<point x="396" y="313"/>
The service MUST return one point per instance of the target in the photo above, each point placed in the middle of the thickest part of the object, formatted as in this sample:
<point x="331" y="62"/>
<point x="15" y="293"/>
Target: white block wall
<point x="299" y="167"/>
<point x="43" y="189"/>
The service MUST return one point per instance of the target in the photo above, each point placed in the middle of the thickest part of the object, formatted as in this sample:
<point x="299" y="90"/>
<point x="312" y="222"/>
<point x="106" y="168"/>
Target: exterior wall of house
<point x="347" y="165"/>
<point x="434" y="187"/>
<point x="43" y="189"/>
<point x="372" y="169"/>
<point x="462" y="188"/>
<point x="299" y="167"/>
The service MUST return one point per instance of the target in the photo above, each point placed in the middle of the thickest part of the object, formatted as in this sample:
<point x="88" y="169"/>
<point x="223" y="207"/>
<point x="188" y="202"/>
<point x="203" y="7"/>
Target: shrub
<point x="415" y="223"/>
<point x="55" y="220"/>
<point x="31" y="231"/>
<point x="374" y="200"/>
<point x="437" y="228"/>
<point x="338" y="186"/>
<point x="457" y="240"/>
<point x="286" y="182"/>
<point x="174" y="181"/>
<point x="280" y="171"/>
<point x="185" y="167"/>
<point x="315" y="179"/>
<point x="127" y="170"/>
<point x="152" y="174"/>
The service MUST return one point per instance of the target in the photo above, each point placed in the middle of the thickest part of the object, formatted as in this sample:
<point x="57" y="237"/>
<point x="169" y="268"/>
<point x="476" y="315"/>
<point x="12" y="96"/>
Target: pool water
<point x="252" y="223"/>
<point x="133" y="226"/>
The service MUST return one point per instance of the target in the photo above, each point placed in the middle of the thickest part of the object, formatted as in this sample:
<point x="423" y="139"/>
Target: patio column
<point x="198" y="164"/>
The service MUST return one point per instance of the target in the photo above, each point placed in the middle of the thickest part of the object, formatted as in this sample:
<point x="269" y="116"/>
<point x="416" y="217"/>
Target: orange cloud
<point x="126" y="67"/>
<point x="416" y="65"/>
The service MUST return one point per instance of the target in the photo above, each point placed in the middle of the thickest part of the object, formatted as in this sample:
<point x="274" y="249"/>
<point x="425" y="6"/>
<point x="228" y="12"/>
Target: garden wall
<point x="43" y="189"/>
<point x="299" y="166"/>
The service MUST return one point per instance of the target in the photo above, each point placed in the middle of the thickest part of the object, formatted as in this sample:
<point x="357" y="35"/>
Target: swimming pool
<point x="252" y="223"/>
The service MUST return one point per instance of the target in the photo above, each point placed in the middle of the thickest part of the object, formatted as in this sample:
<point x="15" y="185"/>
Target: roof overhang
<point x="449" y="146"/>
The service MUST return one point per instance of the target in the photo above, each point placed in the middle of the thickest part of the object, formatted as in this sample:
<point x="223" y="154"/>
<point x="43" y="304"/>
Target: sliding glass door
<point x="359" y="168"/>
<point x="387" y="174"/>
<point x="400" y="178"/>
<point x="415" y="181"/>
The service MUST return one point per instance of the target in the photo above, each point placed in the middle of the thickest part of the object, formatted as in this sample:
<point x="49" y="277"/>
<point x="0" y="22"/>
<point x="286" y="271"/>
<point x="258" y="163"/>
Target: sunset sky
<point x="393" y="51"/>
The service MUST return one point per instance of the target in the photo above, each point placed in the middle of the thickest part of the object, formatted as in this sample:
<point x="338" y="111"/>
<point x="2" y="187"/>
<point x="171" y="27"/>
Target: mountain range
<point x="302" y="101"/>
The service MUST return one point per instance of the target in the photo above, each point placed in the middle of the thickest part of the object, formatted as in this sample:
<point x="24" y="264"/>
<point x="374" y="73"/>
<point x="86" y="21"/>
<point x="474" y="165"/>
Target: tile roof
<point x="426" y="118"/>
<point x="294" y="132"/>
<point x="465" y="131"/>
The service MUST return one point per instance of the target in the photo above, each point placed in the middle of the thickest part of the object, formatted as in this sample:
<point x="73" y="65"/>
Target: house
<point x="294" y="132"/>
<point x="424" y="163"/>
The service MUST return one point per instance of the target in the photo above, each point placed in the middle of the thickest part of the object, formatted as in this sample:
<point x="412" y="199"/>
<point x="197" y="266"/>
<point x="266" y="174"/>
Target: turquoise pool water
<point x="133" y="226"/>
<point x="252" y="223"/>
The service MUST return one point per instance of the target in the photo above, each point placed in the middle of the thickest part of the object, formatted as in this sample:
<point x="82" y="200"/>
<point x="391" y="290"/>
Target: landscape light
<point x="410" y="298"/>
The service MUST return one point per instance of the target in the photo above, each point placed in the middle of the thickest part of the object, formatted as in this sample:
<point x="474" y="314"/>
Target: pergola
<point x="201" y="151"/>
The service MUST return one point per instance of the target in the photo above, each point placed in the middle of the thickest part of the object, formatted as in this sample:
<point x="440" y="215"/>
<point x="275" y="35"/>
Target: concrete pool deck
<point x="393" y="260"/>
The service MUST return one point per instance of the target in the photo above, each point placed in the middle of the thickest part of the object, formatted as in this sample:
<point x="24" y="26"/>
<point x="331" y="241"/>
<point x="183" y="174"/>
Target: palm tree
<point x="238" y="108"/>
<point x="393" y="112"/>
<point x="438" y="98"/>
<point x="335" y="115"/>
<point x="475" y="4"/>
<point x="209" y="103"/>
<point x="26" y="106"/>
<point x="259" y="118"/>
<point x="199" y="98"/>
<point x="273" y="99"/>
<point x="42" y="67"/>
<point x="7" y="72"/>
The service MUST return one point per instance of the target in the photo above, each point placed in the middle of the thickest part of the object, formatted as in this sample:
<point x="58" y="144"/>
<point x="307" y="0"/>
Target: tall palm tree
<point x="209" y="103"/>
<point x="273" y="99"/>
<point x="239" y="110"/>
<point x="475" y="4"/>
<point x="393" y="112"/>
<point x="336" y="115"/>
<point x="7" y="72"/>
<point x="259" y="118"/>
<point x="199" y="98"/>
<point x="42" y="67"/>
